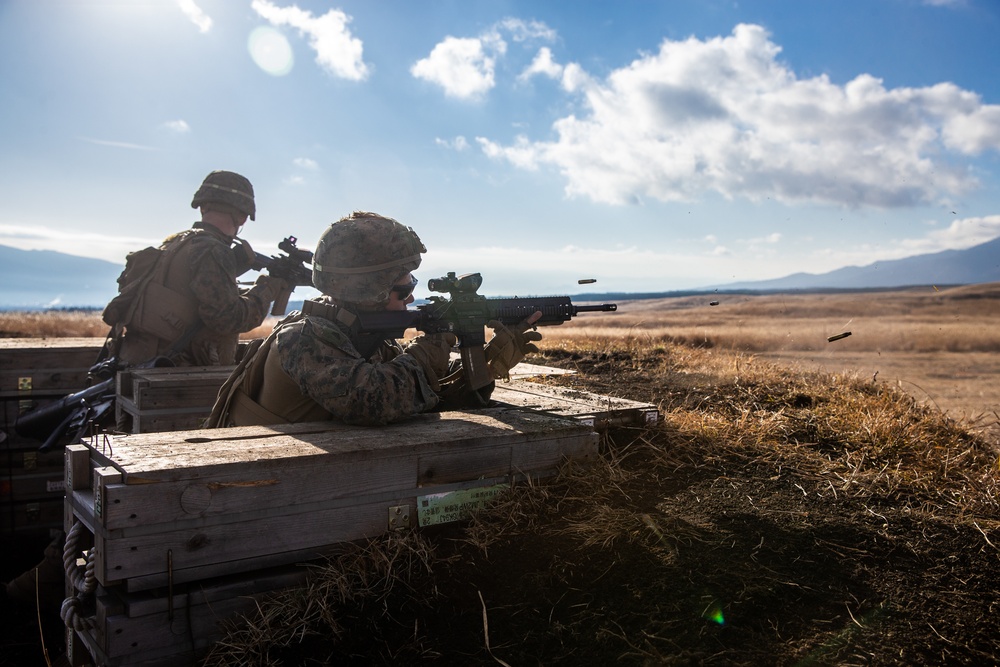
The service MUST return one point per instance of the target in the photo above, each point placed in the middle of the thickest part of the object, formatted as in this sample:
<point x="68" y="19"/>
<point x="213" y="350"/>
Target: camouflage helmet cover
<point x="226" y="187"/>
<point x="359" y="257"/>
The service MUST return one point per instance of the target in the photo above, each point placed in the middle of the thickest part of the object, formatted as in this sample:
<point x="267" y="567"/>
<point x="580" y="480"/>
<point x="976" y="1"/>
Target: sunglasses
<point x="404" y="291"/>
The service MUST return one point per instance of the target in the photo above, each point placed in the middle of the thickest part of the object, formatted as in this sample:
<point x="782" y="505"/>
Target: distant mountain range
<point x="34" y="279"/>
<point x="975" y="265"/>
<point x="37" y="279"/>
<point x="978" y="264"/>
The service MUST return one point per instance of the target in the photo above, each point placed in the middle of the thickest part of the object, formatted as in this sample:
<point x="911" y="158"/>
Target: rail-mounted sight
<point x="464" y="284"/>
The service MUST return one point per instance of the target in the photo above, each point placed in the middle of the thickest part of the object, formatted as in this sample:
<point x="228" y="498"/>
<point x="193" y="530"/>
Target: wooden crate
<point x="31" y="517"/>
<point x="47" y="366"/>
<point x="190" y="527"/>
<point x="172" y="399"/>
<point x="35" y="372"/>
<point x="595" y="410"/>
<point x="231" y="500"/>
<point x="176" y="627"/>
<point x="168" y="399"/>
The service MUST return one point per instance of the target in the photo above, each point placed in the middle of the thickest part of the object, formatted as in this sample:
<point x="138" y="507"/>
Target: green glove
<point x="433" y="352"/>
<point x="509" y="346"/>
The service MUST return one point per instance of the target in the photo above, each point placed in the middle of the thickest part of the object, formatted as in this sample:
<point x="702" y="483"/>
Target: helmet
<point x="226" y="187"/>
<point x="359" y="257"/>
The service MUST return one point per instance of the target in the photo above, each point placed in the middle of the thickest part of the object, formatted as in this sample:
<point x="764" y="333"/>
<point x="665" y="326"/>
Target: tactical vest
<point x="259" y="392"/>
<point x="156" y="306"/>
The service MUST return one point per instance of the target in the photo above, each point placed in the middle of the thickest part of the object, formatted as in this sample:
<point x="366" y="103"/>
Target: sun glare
<point x="271" y="51"/>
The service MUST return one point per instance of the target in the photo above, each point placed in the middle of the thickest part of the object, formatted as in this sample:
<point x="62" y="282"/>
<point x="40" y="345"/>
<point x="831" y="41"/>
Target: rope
<point x="71" y="615"/>
<point x="84" y="582"/>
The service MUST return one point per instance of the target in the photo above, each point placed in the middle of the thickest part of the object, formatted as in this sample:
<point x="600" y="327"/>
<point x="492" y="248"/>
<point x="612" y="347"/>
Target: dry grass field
<point x="803" y="502"/>
<point x="939" y="345"/>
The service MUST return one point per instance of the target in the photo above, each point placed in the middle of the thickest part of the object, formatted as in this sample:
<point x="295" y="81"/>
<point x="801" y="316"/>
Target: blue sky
<point x="650" y="145"/>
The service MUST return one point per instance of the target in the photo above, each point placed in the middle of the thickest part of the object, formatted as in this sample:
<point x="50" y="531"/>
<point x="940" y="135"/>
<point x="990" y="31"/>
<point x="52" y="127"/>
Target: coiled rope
<point x="84" y="583"/>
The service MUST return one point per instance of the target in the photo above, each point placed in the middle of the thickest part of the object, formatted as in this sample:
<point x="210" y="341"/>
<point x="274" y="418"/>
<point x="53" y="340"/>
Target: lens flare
<point x="271" y="51"/>
<point x="714" y="614"/>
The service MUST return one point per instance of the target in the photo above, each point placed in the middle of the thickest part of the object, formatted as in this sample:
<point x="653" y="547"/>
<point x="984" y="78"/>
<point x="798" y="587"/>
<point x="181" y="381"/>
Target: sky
<point x="650" y="145"/>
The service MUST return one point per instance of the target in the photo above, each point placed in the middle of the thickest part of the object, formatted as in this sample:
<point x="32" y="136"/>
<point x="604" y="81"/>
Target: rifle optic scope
<point x="465" y="284"/>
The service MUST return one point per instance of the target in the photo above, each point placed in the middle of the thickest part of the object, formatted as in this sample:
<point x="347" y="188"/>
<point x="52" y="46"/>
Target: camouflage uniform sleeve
<point x="321" y="360"/>
<point x="221" y="306"/>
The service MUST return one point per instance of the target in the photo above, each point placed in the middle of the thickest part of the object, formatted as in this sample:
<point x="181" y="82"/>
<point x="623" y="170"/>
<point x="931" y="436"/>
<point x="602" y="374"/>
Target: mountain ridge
<point x="45" y="279"/>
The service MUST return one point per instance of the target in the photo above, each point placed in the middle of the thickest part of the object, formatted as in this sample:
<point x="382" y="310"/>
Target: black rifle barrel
<point x="554" y="309"/>
<point x="599" y="308"/>
<point x="41" y="422"/>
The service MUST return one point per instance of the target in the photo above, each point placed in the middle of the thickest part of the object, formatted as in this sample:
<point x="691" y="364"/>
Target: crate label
<point x="53" y="485"/>
<point x="455" y="505"/>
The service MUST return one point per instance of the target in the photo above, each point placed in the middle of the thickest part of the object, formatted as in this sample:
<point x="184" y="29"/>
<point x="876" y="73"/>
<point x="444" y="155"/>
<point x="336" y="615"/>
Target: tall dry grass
<point x="78" y="324"/>
<point x="961" y="319"/>
<point x="957" y="320"/>
<point x="749" y="461"/>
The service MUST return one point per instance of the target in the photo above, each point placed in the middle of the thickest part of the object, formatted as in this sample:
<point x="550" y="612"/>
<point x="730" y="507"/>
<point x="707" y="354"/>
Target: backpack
<point x="139" y="269"/>
<point x="168" y="314"/>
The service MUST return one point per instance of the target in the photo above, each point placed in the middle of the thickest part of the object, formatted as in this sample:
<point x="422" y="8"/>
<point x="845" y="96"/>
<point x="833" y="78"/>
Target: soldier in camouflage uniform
<point x="194" y="292"/>
<point x="311" y="368"/>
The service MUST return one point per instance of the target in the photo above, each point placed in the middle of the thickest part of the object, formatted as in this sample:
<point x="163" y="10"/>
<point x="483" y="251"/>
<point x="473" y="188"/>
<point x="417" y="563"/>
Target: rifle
<point x="76" y="411"/>
<point x="292" y="267"/>
<point x="465" y="314"/>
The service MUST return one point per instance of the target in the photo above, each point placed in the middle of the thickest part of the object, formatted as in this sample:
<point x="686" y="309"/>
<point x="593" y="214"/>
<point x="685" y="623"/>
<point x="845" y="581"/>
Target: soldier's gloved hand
<point x="270" y="287"/>
<point x="510" y="345"/>
<point x="244" y="256"/>
<point x="433" y="352"/>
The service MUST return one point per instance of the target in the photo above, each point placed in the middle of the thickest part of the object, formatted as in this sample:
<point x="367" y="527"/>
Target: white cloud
<point x="306" y="163"/>
<point x="542" y="64"/>
<point x="179" y="126"/>
<point x="725" y="115"/>
<point x="522" y="31"/>
<point x="960" y="234"/>
<point x="195" y="14"/>
<point x="117" y="144"/>
<point x="976" y="130"/>
<point x="337" y="50"/>
<point x="465" y="67"/>
<point x="459" y="143"/>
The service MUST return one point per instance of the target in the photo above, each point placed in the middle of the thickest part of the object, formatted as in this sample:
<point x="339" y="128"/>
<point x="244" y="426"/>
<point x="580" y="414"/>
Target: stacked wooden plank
<point x="168" y="399"/>
<point x="181" y="520"/>
<point x="600" y="412"/>
<point x="35" y="372"/>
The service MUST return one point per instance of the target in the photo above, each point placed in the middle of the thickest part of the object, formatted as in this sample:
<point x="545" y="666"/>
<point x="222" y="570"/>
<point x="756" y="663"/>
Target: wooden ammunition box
<point x="595" y="410"/>
<point x="45" y="366"/>
<point x="153" y="628"/>
<point x="229" y="500"/>
<point x="209" y="514"/>
<point x="33" y="373"/>
<point x="168" y="399"/>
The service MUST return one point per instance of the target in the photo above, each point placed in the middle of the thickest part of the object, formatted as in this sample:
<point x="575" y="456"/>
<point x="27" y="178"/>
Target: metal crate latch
<point x="399" y="517"/>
